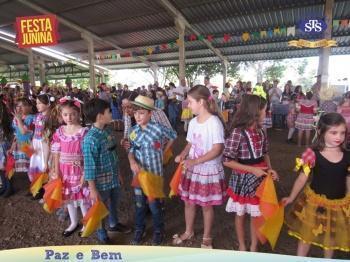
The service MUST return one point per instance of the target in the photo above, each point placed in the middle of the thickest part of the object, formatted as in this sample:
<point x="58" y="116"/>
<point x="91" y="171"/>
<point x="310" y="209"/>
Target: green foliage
<point x="25" y="77"/>
<point x="68" y="80"/>
<point x="274" y="71"/>
<point x="233" y="70"/>
<point x="3" y="81"/>
<point x="302" y="66"/>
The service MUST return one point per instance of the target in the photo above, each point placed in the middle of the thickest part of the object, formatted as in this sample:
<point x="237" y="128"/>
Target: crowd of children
<point x="225" y="132"/>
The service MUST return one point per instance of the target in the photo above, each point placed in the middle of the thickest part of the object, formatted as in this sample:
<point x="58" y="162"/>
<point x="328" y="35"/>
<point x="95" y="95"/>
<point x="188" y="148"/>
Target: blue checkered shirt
<point x="100" y="158"/>
<point x="146" y="146"/>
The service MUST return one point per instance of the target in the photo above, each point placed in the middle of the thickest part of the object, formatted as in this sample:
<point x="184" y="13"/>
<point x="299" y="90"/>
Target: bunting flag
<point x="210" y="38"/>
<point x="151" y="185"/>
<point x="175" y="180"/>
<point x="283" y="31"/>
<point x="344" y="22"/>
<point x="27" y="149"/>
<point x="92" y="219"/>
<point x="291" y="31"/>
<point x="37" y="183"/>
<point x="192" y="37"/>
<point x="336" y="23"/>
<point x="276" y="31"/>
<point x="53" y="195"/>
<point x="312" y="44"/>
<point x="269" y="224"/>
<point x="245" y="36"/>
<point x="10" y="166"/>
<point x="226" y="37"/>
<point x="168" y="154"/>
<point x="255" y="35"/>
<point x="270" y="33"/>
<point x="149" y="50"/>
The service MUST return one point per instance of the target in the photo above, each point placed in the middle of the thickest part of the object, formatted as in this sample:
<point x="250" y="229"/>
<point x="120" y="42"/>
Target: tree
<point x="233" y="69"/>
<point x="275" y="71"/>
<point x="302" y="66"/>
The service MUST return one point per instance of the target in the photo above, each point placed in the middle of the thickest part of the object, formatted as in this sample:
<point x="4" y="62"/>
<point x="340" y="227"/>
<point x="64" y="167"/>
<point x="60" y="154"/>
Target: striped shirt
<point x="146" y="146"/>
<point x="100" y="158"/>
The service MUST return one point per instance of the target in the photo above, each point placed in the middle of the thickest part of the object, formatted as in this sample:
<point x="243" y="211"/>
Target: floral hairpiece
<point x="76" y="101"/>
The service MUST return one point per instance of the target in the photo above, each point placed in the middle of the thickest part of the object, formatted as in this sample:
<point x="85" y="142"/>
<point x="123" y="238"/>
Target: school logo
<point x="314" y="26"/>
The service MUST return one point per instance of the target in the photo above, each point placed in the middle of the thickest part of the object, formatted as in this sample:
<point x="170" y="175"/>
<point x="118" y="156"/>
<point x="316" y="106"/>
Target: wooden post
<point x="31" y="67"/>
<point x="91" y="53"/>
<point x="325" y="52"/>
<point x="180" y="26"/>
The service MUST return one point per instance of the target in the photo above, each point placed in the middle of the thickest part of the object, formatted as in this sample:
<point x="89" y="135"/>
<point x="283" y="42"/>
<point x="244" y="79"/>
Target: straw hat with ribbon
<point x="144" y="102"/>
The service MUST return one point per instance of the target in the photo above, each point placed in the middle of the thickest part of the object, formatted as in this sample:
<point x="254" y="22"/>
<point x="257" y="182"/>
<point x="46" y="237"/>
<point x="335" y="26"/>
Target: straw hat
<point x="144" y="102"/>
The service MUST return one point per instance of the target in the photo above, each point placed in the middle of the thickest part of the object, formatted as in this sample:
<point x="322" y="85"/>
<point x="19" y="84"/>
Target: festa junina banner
<point x="143" y="253"/>
<point x="34" y="31"/>
<point x="312" y="44"/>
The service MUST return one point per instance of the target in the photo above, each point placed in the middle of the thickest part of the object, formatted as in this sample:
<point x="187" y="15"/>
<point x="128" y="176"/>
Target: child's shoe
<point x="138" y="236"/>
<point x="157" y="238"/>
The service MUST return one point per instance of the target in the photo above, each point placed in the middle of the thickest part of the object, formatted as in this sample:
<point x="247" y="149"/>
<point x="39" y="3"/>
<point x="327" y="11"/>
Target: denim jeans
<point x="141" y="208"/>
<point x="110" y="199"/>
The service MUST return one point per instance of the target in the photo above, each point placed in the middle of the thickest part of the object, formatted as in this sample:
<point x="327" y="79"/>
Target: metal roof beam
<point x="80" y="29"/>
<point x="177" y="14"/>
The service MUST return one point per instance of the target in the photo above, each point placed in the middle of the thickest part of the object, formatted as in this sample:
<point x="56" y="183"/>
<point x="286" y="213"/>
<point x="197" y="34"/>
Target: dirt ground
<point x="24" y="223"/>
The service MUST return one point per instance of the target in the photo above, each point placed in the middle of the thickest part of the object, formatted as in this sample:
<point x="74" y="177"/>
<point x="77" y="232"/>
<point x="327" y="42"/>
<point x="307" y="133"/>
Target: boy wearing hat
<point x="146" y="154"/>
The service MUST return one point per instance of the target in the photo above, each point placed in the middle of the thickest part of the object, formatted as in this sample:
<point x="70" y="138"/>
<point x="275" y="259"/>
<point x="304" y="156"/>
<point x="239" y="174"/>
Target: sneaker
<point x="138" y="236"/>
<point x="157" y="238"/>
<point x="120" y="228"/>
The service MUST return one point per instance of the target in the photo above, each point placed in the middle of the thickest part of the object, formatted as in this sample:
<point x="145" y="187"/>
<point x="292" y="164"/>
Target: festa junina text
<point x="36" y="31"/>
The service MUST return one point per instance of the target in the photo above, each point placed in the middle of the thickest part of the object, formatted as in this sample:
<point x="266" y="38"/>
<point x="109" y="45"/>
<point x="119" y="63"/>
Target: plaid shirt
<point x="127" y="125"/>
<point x="236" y="145"/>
<point x="158" y="116"/>
<point x="100" y="158"/>
<point x="146" y="146"/>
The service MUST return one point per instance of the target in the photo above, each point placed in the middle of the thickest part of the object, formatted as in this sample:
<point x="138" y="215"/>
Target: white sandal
<point x="207" y="240"/>
<point x="178" y="241"/>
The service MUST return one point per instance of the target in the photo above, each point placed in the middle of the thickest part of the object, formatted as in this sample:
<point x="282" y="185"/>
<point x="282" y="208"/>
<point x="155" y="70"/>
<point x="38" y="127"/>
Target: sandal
<point x="207" y="243"/>
<point x="177" y="240"/>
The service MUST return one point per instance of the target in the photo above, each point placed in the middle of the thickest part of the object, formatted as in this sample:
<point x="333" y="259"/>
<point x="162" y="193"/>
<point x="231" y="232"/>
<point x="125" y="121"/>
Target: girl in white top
<point x="203" y="181"/>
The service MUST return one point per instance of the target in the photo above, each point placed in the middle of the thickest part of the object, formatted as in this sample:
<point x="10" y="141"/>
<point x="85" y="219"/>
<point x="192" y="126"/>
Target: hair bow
<point x="259" y="91"/>
<point x="75" y="100"/>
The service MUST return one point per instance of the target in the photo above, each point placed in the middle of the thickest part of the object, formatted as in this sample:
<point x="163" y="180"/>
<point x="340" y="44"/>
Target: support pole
<point x="31" y="67"/>
<point x="180" y="27"/>
<point x="225" y="64"/>
<point x="325" y="52"/>
<point x="154" y="73"/>
<point x="42" y="72"/>
<point x="91" y="54"/>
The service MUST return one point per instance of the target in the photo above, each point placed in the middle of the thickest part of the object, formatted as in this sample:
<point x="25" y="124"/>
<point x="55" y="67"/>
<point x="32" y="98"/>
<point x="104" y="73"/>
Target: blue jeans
<point x="140" y="212"/>
<point x="110" y="199"/>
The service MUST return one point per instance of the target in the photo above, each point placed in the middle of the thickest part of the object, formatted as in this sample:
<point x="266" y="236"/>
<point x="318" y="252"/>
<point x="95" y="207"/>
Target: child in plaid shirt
<point x="101" y="164"/>
<point x="246" y="153"/>
<point x="146" y="153"/>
